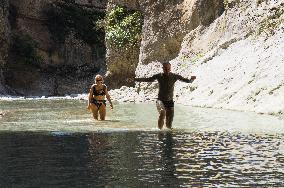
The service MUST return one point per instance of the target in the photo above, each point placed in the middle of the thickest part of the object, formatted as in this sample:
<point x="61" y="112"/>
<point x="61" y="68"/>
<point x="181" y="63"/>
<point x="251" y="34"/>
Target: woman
<point x="97" y="102"/>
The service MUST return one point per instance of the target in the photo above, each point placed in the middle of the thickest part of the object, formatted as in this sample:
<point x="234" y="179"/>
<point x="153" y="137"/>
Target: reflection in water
<point x="56" y="143"/>
<point x="35" y="160"/>
<point x="99" y="153"/>
<point x="167" y="160"/>
<point x="136" y="159"/>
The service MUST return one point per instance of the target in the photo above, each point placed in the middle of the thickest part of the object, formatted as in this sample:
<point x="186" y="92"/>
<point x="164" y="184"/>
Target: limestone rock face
<point x="167" y="22"/>
<point x="28" y="19"/>
<point x="165" y="25"/>
<point x="121" y="66"/>
<point x="4" y="41"/>
<point x="236" y="59"/>
<point x="4" y="32"/>
<point x="68" y="67"/>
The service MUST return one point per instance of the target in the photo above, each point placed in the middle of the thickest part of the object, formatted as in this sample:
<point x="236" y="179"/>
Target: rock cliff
<point x="66" y="66"/>
<point x="167" y="22"/>
<point x="4" y="41"/>
<point x="232" y="46"/>
<point x="236" y="57"/>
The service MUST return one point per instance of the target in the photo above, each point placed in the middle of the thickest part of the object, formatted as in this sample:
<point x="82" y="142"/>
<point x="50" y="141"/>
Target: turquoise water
<point x="72" y="116"/>
<point x="56" y="143"/>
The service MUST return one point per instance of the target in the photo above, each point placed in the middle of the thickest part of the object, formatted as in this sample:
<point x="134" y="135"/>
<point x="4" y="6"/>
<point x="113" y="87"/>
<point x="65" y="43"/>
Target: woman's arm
<point x="90" y="97"/>
<point x="108" y="98"/>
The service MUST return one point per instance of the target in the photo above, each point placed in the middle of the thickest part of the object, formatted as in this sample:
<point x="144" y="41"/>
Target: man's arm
<point x="150" y="79"/>
<point x="192" y="78"/>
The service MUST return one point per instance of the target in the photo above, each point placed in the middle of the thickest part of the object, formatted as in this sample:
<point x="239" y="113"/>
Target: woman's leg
<point x="102" y="111"/>
<point x="94" y="110"/>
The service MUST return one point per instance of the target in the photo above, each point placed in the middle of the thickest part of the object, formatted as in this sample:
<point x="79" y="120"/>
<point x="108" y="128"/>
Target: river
<point x="57" y="143"/>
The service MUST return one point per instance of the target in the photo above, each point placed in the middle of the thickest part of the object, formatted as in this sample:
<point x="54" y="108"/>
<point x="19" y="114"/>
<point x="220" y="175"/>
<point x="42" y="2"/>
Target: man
<point x="165" y="103"/>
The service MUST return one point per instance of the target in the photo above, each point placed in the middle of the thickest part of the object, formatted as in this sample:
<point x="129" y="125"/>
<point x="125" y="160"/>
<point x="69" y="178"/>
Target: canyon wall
<point x="237" y="60"/>
<point x="66" y="67"/>
<point x="4" y="41"/>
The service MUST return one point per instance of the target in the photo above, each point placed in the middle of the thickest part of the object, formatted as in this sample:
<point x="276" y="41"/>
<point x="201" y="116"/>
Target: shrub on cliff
<point x="65" y="17"/>
<point x="123" y="27"/>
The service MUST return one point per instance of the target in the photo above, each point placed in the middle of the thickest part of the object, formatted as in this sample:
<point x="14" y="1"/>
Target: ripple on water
<point x="157" y="158"/>
<point x="58" y="143"/>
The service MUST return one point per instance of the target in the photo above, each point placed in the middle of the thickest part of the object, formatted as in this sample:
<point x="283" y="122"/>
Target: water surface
<point x="56" y="143"/>
<point x="72" y="116"/>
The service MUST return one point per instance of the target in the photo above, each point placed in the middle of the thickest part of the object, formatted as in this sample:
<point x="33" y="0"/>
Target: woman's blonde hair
<point x="98" y="77"/>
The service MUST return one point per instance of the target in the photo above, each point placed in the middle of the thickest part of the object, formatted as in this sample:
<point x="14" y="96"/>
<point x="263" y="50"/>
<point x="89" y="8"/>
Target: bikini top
<point x="99" y="92"/>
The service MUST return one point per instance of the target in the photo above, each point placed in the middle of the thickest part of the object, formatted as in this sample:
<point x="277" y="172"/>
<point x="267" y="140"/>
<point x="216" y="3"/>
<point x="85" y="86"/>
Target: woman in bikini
<point x="97" y="102"/>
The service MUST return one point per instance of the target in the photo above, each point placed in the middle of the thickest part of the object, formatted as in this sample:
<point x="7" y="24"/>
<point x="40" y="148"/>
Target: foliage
<point x="192" y="57"/>
<point x="230" y="3"/>
<point x="269" y="24"/>
<point x="65" y="17"/>
<point x="124" y="27"/>
<point x="258" y="2"/>
<point x="24" y="50"/>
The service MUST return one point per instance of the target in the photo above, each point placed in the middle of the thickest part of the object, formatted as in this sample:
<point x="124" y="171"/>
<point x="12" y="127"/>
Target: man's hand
<point x="129" y="80"/>
<point x="111" y="106"/>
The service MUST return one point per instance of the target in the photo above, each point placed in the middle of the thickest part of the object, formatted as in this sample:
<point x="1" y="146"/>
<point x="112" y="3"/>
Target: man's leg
<point x="162" y="113"/>
<point x="161" y="119"/>
<point x="169" y="117"/>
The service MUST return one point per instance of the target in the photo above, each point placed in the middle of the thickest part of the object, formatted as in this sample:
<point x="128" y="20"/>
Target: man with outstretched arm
<point x="165" y="103"/>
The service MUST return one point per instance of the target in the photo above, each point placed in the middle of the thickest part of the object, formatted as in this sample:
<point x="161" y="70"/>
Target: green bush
<point x="65" y="17"/>
<point x="24" y="49"/>
<point x="123" y="27"/>
<point x="231" y="3"/>
<point x="271" y="23"/>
